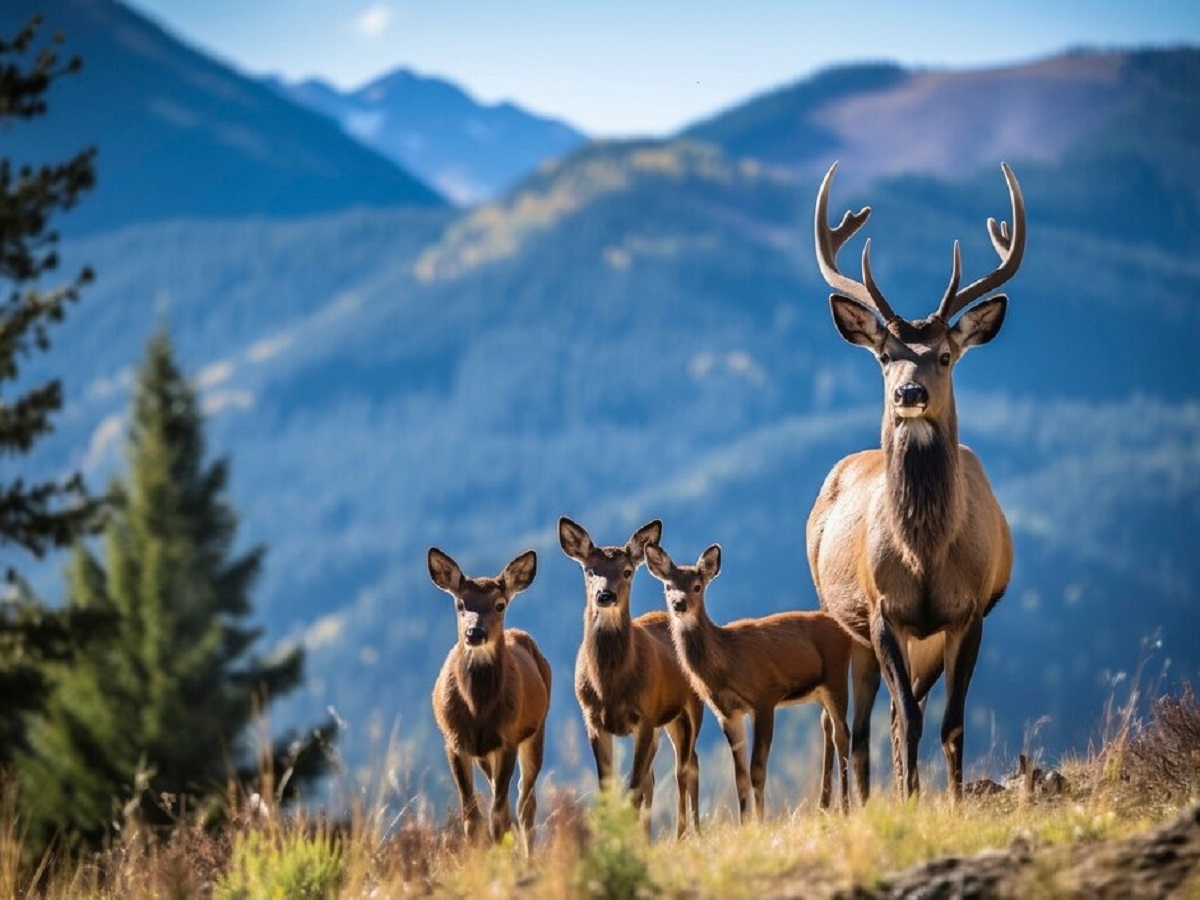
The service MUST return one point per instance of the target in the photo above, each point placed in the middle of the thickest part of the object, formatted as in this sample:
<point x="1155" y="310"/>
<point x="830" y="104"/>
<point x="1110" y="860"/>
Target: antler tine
<point x="830" y="240"/>
<point x="1010" y="245"/>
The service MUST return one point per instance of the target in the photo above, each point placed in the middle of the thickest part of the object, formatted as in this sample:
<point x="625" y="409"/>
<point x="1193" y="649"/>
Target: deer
<point x="627" y="679"/>
<point x="751" y="667"/>
<point x="492" y="695"/>
<point x="908" y="547"/>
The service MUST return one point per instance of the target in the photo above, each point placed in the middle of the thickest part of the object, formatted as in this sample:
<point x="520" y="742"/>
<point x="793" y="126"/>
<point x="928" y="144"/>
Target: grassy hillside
<point x="1125" y="823"/>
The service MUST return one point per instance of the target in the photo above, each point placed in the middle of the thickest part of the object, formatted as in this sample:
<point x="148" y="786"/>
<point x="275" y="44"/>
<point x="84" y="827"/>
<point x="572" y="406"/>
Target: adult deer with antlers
<point x="908" y="547"/>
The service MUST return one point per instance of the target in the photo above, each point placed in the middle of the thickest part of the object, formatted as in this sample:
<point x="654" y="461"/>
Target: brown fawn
<point x="751" y="666"/>
<point x="491" y="697"/>
<point x="627" y="679"/>
<point x="908" y="547"/>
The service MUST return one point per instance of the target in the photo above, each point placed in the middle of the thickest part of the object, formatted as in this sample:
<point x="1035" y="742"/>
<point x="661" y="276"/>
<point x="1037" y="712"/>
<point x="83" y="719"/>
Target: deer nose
<point x="911" y="395"/>
<point x="476" y="635"/>
<point x="679" y="605"/>
<point x="606" y="598"/>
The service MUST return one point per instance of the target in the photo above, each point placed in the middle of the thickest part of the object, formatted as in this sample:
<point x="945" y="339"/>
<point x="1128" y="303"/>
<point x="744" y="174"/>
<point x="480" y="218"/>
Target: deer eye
<point x="459" y="605"/>
<point x="499" y="606"/>
<point x="695" y="588"/>
<point x="628" y="573"/>
<point x="944" y="359"/>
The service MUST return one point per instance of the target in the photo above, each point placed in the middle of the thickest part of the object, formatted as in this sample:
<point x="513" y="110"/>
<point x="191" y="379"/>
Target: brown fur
<point x="627" y="679"/>
<point x="908" y="547"/>
<point x="752" y="666"/>
<point x="490" y="699"/>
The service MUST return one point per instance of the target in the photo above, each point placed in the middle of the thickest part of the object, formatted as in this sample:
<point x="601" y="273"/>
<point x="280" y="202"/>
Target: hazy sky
<point x="624" y="67"/>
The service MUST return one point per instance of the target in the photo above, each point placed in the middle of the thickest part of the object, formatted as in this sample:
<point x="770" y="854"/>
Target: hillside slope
<point x="181" y="135"/>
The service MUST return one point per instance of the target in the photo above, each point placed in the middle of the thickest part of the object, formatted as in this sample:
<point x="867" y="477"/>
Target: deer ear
<point x="658" y="562"/>
<point x="856" y="323"/>
<point x="444" y="571"/>
<point x="980" y="323"/>
<point x="650" y="533"/>
<point x="519" y="573"/>
<point x="574" y="539"/>
<point x="709" y="562"/>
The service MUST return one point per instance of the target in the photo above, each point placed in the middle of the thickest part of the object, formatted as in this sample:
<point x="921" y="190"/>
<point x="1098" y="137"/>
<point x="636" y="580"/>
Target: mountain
<point x="469" y="151"/>
<point x="638" y="331"/>
<point x="181" y="135"/>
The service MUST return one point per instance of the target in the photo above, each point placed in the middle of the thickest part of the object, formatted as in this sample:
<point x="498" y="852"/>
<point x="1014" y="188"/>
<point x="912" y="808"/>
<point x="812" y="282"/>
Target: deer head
<point x="917" y="356"/>
<point x="481" y="602"/>
<point x="683" y="586"/>
<point x="607" y="571"/>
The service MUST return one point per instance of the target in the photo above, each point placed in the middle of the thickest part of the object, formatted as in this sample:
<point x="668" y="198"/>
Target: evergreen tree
<point x="163" y="707"/>
<point x="38" y="516"/>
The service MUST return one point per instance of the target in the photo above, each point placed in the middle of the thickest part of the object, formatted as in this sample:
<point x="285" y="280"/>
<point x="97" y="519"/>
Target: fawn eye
<point x="944" y="359"/>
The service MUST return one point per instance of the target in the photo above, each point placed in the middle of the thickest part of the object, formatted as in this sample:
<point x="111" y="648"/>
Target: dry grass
<point x="1146" y="773"/>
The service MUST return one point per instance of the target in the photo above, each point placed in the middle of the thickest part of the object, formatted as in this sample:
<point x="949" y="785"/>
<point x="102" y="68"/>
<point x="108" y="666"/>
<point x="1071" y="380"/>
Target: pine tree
<point x="39" y="516"/>
<point x="163" y="707"/>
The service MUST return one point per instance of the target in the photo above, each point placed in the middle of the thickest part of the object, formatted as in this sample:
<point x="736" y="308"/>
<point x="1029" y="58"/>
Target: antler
<point x="1009" y="244"/>
<point x="829" y="242"/>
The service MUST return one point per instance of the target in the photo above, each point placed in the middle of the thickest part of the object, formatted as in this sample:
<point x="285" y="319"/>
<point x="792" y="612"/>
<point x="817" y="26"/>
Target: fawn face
<point x="481" y="602"/>
<point x="607" y="571"/>
<point x="683" y="586"/>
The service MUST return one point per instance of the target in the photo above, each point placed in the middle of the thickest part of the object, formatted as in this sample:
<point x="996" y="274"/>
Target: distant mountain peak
<point x="470" y="151"/>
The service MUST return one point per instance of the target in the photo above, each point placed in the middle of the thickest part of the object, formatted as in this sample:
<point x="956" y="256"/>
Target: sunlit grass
<point x="1146" y="774"/>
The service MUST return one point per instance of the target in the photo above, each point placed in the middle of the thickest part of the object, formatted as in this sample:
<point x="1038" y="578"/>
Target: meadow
<point x="1125" y="823"/>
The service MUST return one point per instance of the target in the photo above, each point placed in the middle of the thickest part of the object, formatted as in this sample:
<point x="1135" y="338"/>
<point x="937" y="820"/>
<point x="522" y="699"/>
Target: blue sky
<point x="626" y="67"/>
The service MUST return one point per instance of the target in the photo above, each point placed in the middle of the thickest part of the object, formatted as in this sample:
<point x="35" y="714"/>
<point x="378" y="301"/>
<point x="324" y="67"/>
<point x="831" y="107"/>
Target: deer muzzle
<point x="910" y="399"/>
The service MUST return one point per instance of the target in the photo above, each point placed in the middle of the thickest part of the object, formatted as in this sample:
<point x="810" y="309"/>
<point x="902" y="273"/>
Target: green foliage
<point x="285" y="864"/>
<point x="614" y="863"/>
<point x="39" y="516"/>
<point x="163" y="704"/>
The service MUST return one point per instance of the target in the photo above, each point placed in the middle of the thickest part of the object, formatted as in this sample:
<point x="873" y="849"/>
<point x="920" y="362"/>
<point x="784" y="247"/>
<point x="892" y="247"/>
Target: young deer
<point x="627" y="678"/>
<point x="754" y="665"/>
<point x="908" y="547"/>
<point x="491" y="697"/>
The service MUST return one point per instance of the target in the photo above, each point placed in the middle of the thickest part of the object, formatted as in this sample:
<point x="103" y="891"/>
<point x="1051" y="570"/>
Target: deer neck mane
<point x="924" y="486"/>
<point x="481" y="677"/>
<point x="610" y="646"/>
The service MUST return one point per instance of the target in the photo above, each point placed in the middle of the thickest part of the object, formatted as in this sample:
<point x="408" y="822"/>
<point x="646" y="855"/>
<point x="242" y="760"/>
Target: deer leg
<point x="641" y="774"/>
<point x="837" y="738"/>
<point x="735" y="733"/>
<point x="895" y="672"/>
<point x="683" y="739"/>
<point x="504" y="763"/>
<point x="602" y="750"/>
<point x="864" y="675"/>
<point x="531" y="753"/>
<point x="460" y="769"/>
<point x="764" y="732"/>
<point x="962" y="650"/>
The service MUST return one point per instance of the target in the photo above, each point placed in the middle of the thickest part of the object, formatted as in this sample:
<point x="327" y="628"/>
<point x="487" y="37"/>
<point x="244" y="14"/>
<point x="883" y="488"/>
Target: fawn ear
<point x="658" y="562"/>
<point x="444" y="571"/>
<point x="650" y="533"/>
<point x="574" y="539"/>
<point x="709" y="563"/>
<point x="519" y="573"/>
<point x="856" y="323"/>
